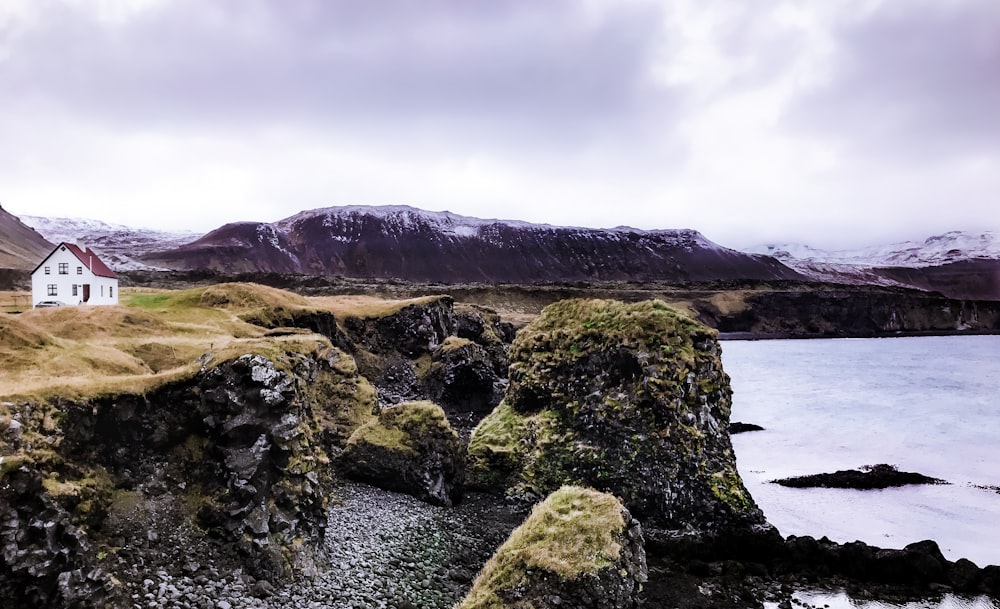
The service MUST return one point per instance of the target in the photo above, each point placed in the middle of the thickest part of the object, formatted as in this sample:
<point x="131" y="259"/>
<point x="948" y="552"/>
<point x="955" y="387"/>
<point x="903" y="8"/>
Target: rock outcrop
<point x="410" y="448"/>
<point x="629" y="399"/>
<point x="578" y="548"/>
<point x="237" y="452"/>
<point x="431" y="349"/>
<point x="869" y="477"/>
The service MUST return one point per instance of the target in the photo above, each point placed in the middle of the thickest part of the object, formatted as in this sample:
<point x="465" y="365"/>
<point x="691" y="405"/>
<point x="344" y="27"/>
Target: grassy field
<point x="151" y="337"/>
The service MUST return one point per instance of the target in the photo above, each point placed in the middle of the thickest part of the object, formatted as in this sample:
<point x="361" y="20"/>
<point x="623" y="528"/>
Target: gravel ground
<point x="383" y="550"/>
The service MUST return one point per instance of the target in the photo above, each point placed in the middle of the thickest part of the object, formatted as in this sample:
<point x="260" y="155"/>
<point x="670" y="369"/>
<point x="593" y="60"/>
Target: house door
<point x="86" y="292"/>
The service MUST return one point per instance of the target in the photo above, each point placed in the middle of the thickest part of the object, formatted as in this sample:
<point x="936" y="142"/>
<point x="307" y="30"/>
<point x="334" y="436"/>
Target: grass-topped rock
<point x="626" y="398"/>
<point x="411" y="448"/>
<point x="578" y="548"/>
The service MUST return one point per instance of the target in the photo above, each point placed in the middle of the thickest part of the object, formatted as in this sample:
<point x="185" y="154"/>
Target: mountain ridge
<point x="409" y="243"/>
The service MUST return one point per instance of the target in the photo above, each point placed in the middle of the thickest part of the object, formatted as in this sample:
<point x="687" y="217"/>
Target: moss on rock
<point x="626" y="398"/>
<point x="579" y="546"/>
<point x="410" y="448"/>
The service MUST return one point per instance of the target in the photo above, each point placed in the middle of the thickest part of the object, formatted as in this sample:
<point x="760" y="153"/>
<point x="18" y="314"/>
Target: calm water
<point x="930" y="405"/>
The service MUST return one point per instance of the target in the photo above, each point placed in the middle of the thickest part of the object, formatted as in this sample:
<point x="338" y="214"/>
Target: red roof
<point x="88" y="257"/>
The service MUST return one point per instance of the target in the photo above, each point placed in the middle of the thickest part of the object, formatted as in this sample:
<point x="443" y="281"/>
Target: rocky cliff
<point x="234" y="453"/>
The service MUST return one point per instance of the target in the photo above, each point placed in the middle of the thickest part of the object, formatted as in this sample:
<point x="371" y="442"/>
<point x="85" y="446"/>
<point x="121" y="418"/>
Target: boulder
<point x="578" y="548"/>
<point x="629" y="399"/>
<point x="432" y="349"/>
<point x="411" y="448"/>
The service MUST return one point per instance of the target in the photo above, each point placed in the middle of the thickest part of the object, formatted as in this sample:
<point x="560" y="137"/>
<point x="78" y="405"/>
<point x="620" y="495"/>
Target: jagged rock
<point x="431" y="349"/>
<point x="47" y="557"/>
<point x="241" y="446"/>
<point x="411" y="448"/>
<point x="627" y="398"/>
<point x="578" y="548"/>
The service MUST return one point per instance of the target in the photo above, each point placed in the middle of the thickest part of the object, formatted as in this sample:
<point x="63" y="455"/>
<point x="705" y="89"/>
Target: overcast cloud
<point x="836" y="123"/>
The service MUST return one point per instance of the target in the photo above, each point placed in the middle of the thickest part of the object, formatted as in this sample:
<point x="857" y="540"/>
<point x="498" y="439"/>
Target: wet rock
<point x="578" y="548"/>
<point x="964" y="575"/>
<point x="867" y="478"/>
<point x="629" y="399"/>
<point x="739" y="427"/>
<point x="411" y="448"/>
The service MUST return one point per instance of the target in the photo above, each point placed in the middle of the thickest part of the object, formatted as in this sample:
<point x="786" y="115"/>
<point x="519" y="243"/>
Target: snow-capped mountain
<point x="954" y="246"/>
<point x="417" y="245"/>
<point x="957" y="263"/>
<point x="120" y="246"/>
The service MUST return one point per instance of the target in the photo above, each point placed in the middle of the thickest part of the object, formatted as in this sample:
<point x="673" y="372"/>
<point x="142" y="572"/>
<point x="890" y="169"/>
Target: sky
<point x="840" y="123"/>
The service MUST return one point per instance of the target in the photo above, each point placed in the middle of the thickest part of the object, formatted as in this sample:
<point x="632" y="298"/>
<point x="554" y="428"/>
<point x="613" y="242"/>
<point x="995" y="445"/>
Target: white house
<point x="72" y="275"/>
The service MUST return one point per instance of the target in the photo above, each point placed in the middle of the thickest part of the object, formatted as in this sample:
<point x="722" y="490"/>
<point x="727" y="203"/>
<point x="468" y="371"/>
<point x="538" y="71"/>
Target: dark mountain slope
<point x="20" y="246"/>
<point x="403" y="242"/>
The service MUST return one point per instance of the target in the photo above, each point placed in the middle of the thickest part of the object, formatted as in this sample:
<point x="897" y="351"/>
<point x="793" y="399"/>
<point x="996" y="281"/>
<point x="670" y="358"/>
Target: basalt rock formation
<point x="237" y="453"/>
<point x="578" y="548"/>
<point x="431" y="349"/>
<point x="410" y="448"/>
<point x="629" y="399"/>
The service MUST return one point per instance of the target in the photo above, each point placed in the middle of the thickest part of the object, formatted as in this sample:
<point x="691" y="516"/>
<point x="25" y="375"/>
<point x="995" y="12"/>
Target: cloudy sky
<point x="837" y="123"/>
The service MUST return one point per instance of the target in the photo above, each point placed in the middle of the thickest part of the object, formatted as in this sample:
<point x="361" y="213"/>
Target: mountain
<point x="118" y="245"/>
<point x="958" y="264"/>
<point x="21" y="247"/>
<point x="407" y="243"/>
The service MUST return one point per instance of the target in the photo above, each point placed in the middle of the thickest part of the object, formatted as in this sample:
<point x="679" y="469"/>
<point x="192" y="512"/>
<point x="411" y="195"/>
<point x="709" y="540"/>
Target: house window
<point x="111" y="291"/>
<point x="64" y="268"/>
<point x="48" y="271"/>
<point x="79" y="270"/>
<point x="74" y="289"/>
<point x="102" y="291"/>
<point x="53" y="290"/>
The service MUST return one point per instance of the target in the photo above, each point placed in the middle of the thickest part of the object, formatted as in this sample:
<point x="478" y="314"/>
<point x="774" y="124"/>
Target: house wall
<point x="103" y="290"/>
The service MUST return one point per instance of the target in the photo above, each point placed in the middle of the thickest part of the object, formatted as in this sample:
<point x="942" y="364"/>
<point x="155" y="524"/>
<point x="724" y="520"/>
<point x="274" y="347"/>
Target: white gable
<point x="62" y="277"/>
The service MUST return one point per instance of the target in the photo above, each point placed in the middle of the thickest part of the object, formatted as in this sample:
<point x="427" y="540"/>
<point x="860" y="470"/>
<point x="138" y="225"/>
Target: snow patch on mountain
<point x="405" y="218"/>
<point x="118" y="245"/>
<point x="949" y="247"/>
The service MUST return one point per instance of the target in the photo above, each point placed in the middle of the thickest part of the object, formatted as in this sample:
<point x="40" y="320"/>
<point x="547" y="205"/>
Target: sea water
<point x="927" y="404"/>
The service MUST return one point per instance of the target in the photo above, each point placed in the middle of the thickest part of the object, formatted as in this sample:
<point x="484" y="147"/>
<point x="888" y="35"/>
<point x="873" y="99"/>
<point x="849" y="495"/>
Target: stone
<point x="577" y="548"/>
<point x="411" y="448"/>
<point x="629" y="399"/>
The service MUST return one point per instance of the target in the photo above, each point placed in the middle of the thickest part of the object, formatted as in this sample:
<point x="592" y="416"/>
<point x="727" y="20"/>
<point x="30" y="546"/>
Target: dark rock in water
<point x="578" y="548"/>
<point x="964" y="575"/>
<point x="629" y="399"/>
<point x="867" y="478"/>
<point x="411" y="448"/>
<point x="739" y="427"/>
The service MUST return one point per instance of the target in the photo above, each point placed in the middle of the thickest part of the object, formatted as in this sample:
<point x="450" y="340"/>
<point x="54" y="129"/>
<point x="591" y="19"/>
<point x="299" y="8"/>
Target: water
<point x="928" y="404"/>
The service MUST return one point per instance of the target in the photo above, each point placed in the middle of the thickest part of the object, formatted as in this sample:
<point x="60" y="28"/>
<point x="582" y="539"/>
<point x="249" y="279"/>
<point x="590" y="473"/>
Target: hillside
<point x="408" y="243"/>
<point x="21" y="247"/>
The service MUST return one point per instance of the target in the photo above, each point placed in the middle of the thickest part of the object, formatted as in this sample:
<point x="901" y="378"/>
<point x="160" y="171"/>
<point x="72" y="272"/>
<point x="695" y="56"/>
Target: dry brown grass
<point x="153" y="337"/>
<point x="14" y="302"/>
<point x="363" y="306"/>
